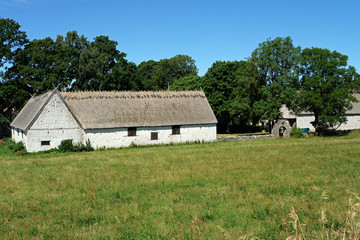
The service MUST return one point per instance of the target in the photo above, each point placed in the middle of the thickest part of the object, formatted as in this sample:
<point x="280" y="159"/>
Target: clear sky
<point x="206" y="30"/>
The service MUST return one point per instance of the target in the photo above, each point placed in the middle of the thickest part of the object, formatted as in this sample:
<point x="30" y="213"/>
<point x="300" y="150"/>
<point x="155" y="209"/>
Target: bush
<point x="15" y="147"/>
<point x="296" y="133"/>
<point x="68" y="146"/>
<point x="80" y="147"/>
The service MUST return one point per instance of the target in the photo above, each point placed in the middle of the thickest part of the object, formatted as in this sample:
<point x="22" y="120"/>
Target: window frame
<point x="154" y="136"/>
<point x="132" y="131"/>
<point x="45" y="143"/>
<point x="175" y="130"/>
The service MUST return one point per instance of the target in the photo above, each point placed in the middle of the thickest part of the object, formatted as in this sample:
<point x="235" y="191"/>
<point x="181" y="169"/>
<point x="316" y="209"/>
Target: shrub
<point x="68" y="146"/>
<point x="296" y="133"/>
<point x="80" y="147"/>
<point x="15" y="147"/>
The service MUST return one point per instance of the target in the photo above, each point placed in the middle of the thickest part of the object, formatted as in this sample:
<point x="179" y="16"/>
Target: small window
<point x="154" y="136"/>
<point x="176" y="130"/>
<point x="131" y="131"/>
<point x="45" y="143"/>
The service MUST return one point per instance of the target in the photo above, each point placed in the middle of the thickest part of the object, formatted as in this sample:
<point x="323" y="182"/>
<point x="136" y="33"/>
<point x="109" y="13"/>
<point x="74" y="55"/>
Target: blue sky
<point x="207" y="31"/>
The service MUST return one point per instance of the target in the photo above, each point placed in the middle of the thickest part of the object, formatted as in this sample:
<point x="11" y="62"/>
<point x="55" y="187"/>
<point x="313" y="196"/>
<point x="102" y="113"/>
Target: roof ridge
<point x="132" y="94"/>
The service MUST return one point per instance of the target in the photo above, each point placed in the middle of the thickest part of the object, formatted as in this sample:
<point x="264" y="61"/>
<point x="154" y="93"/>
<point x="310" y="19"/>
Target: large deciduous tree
<point x="161" y="75"/>
<point x="11" y="39"/>
<point x="327" y="85"/>
<point x="277" y="62"/>
<point x="42" y="65"/>
<point x="190" y="82"/>
<point x="103" y="67"/>
<point x="144" y="72"/>
<point x="72" y="46"/>
<point x="232" y="88"/>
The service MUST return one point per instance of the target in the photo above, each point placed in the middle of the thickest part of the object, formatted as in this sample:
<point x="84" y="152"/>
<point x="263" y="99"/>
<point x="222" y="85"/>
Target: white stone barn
<point x="304" y="119"/>
<point x="114" y="119"/>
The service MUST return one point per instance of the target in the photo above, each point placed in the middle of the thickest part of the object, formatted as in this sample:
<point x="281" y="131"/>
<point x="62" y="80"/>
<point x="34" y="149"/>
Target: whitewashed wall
<point x="119" y="137"/>
<point x="353" y="122"/>
<point x="54" y="124"/>
<point x="18" y="135"/>
<point x="305" y="122"/>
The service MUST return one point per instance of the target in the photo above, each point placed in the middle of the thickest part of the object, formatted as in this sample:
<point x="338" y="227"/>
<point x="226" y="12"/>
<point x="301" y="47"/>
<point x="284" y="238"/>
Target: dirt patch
<point x="2" y="142"/>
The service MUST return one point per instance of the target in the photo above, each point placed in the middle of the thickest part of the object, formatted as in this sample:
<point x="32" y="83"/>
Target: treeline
<point x="241" y="93"/>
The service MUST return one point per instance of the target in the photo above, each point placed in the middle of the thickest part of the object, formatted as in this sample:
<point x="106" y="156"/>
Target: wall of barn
<point x="18" y="135"/>
<point x="113" y="138"/>
<point x="353" y="122"/>
<point x="54" y="124"/>
<point x="305" y="122"/>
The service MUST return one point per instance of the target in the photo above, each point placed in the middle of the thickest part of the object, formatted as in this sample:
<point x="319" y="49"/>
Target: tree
<point x="72" y="46"/>
<point x="11" y="40"/>
<point x="182" y="66"/>
<point x="190" y="82"/>
<point x="160" y="75"/>
<point x="326" y="86"/>
<point x="103" y="67"/>
<point x="232" y="88"/>
<point x="144" y="73"/>
<point x="41" y="66"/>
<point x="277" y="62"/>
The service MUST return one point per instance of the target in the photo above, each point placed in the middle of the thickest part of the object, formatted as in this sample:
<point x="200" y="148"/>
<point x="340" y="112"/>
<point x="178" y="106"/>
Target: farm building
<point x="284" y="125"/>
<point x="114" y="119"/>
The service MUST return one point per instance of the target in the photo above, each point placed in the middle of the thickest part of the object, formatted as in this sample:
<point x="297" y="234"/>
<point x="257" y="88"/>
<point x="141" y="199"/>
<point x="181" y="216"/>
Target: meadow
<point x="262" y="189"/>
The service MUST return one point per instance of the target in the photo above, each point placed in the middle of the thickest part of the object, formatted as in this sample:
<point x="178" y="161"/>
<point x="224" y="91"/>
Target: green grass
<point x="206" y="191"/>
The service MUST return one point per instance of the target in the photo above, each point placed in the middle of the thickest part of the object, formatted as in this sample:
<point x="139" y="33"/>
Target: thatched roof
<point x="139" y="109"/>
<point x="30" y="111"/>
<point x="98" y="110"/>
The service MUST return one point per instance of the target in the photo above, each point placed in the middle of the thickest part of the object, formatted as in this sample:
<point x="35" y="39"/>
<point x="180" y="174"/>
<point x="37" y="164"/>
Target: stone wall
<point x="242" y="138"/>
<point x="281" y="128"/>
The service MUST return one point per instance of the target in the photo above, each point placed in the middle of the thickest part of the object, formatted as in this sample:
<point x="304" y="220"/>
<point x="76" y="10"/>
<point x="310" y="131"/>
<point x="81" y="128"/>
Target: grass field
<point x="263" y="189"/>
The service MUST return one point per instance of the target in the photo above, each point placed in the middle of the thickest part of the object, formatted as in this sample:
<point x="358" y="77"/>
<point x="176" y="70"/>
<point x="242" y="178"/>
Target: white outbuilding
<point x="114" y="119"/>
<point x="288" y="120"/>
<point x="304" y="119"/>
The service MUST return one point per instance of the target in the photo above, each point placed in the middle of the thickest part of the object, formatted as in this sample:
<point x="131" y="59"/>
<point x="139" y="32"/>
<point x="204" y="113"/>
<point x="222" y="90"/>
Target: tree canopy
<point x="232" y="88"/>
<point x="277" y="62"/>
<point x="11" y="40"/>
<point x="327" y="85"/>
<point x="160" y="75"/>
